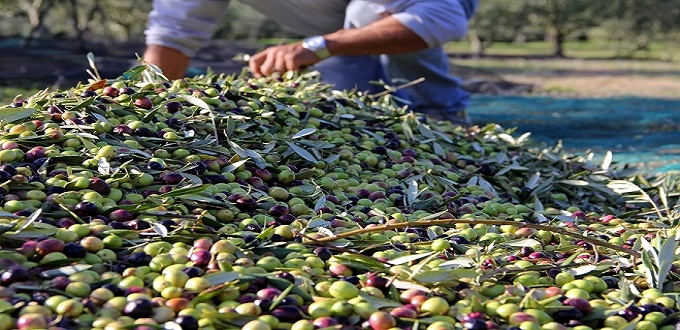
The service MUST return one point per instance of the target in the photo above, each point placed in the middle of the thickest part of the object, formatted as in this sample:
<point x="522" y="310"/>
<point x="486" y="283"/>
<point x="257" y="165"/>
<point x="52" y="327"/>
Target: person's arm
<point x="177" y="29"/>
<point x="172" y="62"/>
<point x="426" y="24"/>
<point x="385" y="36"/>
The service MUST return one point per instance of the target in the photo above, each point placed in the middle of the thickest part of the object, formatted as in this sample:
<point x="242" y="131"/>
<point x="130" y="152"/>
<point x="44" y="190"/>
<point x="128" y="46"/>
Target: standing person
<point x="350" y="42"/>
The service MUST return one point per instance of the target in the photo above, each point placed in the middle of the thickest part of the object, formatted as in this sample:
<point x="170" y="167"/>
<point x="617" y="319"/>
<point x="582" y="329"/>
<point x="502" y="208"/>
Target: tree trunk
<point x="82" y="28"/>
<point x="557" y="41"/>
<point x="476" y="45"/>
<point x="36" y="13"/>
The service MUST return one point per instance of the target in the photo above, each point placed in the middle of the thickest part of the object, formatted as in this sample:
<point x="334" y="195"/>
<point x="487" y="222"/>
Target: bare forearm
<point x="385" y="36"/>
<point x="172" y="62"/>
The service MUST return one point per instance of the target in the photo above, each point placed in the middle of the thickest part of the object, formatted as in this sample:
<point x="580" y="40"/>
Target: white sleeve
<point x="437" y="22"/>
<point x="184" y="25"/>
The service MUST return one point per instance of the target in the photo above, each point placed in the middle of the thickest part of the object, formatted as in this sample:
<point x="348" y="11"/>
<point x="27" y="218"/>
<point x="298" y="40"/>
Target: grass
<point x="575" y="49"/>
<point x="9" y="93"/>
<point x="516" y="65"/>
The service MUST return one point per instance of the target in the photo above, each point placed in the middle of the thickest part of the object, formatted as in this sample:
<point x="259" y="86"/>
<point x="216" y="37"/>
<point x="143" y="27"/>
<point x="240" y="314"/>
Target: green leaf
<point x="282" y="296"/>
<point x="64" y="271"/>
<point x="218" y="278"/>
<point x="282" y="284"/>
<point x="6" y="228"/>
<point x="582" y="270"/>
<point x="11" y="115"/>
<point x="29" y="221"/>
<point x="434" y="276"/>
<point x="233" y="166"/>
<point x="378" y="302"/>
<point x="238" y="150"/>
<point x="59" y="263"/>
<point x="303" y="132"/>
<point x="409" y="258"/>
<point x="35" y="233"/>
<point x="211" y="292"/>
<point x="90" y="60"/>
<point x="320" y="203"/>
<point x="361" y="262"/>
<point x="134" y="73"/>
<point x="83" y="104"/>
<point x="160" y="229"/>
<point x="302" y="152"/>
<point x="267" y="232"/>
<point x="530" y="242"/>
<point x="147" y="118"/>
<point x="278" y="251"/>
<point x="190" y="190"/>
<point x="195" y="101"/>
<point x="193" y="178"/>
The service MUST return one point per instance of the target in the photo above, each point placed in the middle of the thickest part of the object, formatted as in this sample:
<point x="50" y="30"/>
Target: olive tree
<point x="496" y="20"/>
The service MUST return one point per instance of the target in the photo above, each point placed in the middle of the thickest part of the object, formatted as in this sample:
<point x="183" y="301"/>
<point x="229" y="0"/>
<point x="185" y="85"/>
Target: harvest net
<point x="641" y="131"/>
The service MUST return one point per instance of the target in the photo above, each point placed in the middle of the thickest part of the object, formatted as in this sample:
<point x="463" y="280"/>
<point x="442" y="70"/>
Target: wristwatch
<point x="317" y="45"/>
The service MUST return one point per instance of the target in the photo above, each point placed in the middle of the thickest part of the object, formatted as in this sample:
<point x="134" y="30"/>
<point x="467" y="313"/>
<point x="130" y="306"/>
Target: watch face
<point x="317" y="45"/>
<point x="314" y="43"/>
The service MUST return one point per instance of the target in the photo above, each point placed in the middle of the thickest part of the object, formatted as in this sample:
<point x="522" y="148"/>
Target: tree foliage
<point x="632" y="24"/>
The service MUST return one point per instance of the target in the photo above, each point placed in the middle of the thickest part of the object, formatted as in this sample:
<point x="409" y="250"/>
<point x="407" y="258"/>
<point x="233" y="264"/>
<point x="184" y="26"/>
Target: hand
<point x="279" y="59"/>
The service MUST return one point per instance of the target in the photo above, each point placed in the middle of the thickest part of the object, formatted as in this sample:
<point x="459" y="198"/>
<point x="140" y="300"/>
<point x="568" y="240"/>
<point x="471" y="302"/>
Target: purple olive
<point x="100" y="186"/>
<point x="173" y="178"/>
<point x="48" y="246"/>
<point x="138" y="308"/>
<point x="85" y="209"/>
<point x="173" y="106"/>
<point x="325" y="322"/>
<point x="14" y="274"/>
<point x="200" y="257"/>
<point x="187" y="322"/>
<point x="120" y="215"/>
<point x="287" y="313"/>
<point x="143" y="102"/>
<point x="122" y="129"/>
<point x="579" y="303"/>
<point x="278" y="210"/>
<point x="110" y="91"/>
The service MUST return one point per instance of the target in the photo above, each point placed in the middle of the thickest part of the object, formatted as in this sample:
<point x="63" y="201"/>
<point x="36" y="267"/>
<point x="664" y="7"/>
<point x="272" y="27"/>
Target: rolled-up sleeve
<point x="436" y="22"/>
<point x="184" y="25"/>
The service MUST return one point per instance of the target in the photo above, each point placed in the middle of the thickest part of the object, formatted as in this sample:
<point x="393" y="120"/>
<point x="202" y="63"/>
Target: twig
<point x="394" y="89"/>
<point x="439" y="222"/>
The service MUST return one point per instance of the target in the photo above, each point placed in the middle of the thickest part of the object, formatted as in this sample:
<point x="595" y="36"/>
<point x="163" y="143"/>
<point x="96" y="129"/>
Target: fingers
<point x="280" y="59"/>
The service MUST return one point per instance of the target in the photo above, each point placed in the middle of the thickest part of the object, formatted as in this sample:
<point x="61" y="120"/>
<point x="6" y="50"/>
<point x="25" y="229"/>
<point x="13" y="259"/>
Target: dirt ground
<point x="575" y="77"/>
<point x="603" y="85"/>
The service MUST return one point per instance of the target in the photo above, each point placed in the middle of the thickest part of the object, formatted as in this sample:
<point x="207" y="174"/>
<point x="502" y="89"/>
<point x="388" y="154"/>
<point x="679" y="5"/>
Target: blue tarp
<point x="640" y="131"/>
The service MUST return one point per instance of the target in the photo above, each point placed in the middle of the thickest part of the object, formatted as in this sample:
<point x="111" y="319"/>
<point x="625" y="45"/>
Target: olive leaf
<point x="411" y="257"/>
<point x="218" y="278"/>
<point x="658" y="260"/>
<point x="435" y="276"/>
<point x="320" y="203"/>
<point x="160" y="229"/>
<point x="64" y="271"/>
<point x="378" y="302"/>
<point x="12" y="115"/>
<point x="29" y="220"/>
<point x="303" y="132"/>
<point x="302" y="152"/>
<point x="361" y="262"/>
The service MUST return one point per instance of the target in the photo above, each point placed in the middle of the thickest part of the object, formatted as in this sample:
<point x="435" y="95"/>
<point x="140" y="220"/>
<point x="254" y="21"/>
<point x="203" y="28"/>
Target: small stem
<point x="439" y="222"/>
<point x="394" y="89"/>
